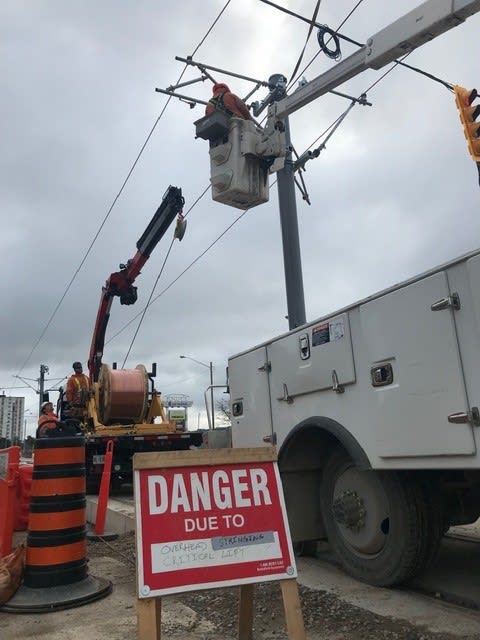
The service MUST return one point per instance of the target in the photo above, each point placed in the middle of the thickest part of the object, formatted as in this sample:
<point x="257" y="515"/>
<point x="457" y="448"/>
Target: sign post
<point x="209" y="519"/>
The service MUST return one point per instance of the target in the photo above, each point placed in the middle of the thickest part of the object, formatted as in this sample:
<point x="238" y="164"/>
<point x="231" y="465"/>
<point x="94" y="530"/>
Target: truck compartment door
<point x="312" y="359"/>
<point x="248" y="376"/>
<point x="415" y="372"/>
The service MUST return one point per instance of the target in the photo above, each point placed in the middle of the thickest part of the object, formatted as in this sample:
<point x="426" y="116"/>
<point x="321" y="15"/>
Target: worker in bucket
<point x="47" y="420"/>
<point x="224" y="100"/>
<point x="78" y="386"/>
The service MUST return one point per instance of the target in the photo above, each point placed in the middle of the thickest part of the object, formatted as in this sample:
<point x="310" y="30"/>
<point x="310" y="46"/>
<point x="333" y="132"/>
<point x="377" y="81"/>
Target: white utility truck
<point x="373" y="408"/>
<point x="374" y="411"/>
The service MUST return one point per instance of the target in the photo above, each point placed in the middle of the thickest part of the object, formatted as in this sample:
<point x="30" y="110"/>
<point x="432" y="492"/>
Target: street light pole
<point x="211" y="395"/>
<point x="210" y="367"/>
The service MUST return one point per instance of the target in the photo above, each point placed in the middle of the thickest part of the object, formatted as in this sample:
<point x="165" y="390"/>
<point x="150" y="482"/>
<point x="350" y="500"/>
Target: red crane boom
<point x="120" y="283"/>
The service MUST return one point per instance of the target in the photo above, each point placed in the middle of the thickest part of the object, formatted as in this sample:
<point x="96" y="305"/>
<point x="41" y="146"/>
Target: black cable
<point x="333" y="125"/>
<point x="446" y="84"/>
<point x="335" y="53"/>
<point x="312" y="24"/>
<point x="394" y="66"/>
<point x="143" y="312"/>
<point x="148" y="302"/>
<point x="205" y="251"/>
<point x="347" y="17"/>
<point x="116" y="198"/>
<point x="297" y="15"/>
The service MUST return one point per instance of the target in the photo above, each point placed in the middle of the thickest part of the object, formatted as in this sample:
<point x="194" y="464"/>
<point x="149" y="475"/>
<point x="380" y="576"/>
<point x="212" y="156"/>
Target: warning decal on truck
<point x="328" y="332"/>
<point x="320" y="334"/>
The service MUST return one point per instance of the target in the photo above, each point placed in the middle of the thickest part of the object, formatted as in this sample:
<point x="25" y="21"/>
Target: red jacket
<point x="224" y="100"/>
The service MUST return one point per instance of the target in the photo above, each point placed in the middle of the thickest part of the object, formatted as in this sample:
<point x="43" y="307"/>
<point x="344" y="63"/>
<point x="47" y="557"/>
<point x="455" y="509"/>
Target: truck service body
<point x="374" y="410"/>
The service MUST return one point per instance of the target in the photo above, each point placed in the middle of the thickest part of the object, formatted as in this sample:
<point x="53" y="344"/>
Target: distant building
<point x="11" y="419"/>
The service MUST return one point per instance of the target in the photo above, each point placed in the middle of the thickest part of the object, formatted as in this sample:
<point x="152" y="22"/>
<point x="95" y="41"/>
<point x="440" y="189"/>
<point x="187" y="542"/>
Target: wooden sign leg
<point x="293" y="610"/>
<point x="149" y="616"/>
<point x="245" y="612"/>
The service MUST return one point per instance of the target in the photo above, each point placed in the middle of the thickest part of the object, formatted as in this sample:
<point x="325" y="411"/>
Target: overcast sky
<point x="394" y="193"/>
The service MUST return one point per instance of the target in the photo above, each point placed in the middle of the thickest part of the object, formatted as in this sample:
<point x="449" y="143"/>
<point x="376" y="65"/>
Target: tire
<point x="376" y="522"/>
<point x="432" y="510"/>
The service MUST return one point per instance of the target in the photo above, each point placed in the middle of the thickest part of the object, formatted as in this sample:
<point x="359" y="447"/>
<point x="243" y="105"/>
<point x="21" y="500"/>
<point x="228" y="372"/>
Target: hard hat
<point x="220" y="87"/>
<point x="44" y="404"/>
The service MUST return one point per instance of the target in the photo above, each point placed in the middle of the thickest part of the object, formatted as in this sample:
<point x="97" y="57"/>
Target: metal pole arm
<point x="426" y="22"/>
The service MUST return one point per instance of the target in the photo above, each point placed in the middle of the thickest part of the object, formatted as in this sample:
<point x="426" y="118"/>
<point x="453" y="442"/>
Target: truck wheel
<point x="434" y="525"/>
<point x="376" y="521"/>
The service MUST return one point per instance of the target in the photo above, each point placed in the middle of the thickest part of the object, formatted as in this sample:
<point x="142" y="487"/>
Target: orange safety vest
<point x="45" y="422"/>
<point x="75" y="385"/>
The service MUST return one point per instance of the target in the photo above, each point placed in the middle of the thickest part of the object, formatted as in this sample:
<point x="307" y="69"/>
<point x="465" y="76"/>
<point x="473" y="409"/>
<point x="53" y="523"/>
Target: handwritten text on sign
<point x="206" y="526"/>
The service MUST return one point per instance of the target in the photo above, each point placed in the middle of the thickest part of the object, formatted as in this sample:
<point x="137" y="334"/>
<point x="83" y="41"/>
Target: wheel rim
<point x="361" y="510"/>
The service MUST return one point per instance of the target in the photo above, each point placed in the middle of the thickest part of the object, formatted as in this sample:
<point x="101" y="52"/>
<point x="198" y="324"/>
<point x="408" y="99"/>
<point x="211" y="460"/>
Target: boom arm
<point x="120" y="283"/>
<point x="426" y="22"/>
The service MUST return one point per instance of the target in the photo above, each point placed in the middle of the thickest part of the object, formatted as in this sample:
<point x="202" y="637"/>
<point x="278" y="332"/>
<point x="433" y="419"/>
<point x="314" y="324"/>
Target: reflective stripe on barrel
<point x="56" y="541"/>
<point x="75" y="455"/>
<point x="42" y="556"/>
<point x="58" y="520"/>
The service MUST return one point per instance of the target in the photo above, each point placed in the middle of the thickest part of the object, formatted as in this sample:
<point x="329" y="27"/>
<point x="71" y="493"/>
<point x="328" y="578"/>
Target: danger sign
<point x="209" y="518"/>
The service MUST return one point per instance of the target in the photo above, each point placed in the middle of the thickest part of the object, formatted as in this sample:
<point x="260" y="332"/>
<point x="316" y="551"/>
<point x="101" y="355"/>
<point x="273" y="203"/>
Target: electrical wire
<point x="347" y="17"/>
<point x="327" y="132"/>
<point x="297" y="15"/>
<point x="331" y="128"/>
<point x="148" y="303"/>
<point x="310" y="29"/>
<point x="204" y="252"/>
<point x="8" y="388"/>
<point x="107" y="215"/>
<point x="143" y="312"/>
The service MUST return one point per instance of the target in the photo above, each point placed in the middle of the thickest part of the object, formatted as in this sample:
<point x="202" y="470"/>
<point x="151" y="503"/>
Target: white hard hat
<point x="44" y="404"/>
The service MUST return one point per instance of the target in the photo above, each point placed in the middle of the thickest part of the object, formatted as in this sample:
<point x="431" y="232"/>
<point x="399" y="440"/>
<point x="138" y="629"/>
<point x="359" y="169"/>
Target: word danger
<point x="191" y="492"/>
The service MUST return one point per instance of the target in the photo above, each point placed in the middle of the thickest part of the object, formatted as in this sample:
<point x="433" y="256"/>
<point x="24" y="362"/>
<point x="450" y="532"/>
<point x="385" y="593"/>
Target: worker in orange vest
<point x="47" y="420"/>
<point x="224" y="100"/>
<point x="78" y="386"/>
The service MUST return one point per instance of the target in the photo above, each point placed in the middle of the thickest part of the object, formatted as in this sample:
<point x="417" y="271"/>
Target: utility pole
<point x="292" y="261"/>
<point x="414" y="29"/>
<point x="211" y="395"/>
<point x="421" y="25"/>
<point x="41" y="386"/>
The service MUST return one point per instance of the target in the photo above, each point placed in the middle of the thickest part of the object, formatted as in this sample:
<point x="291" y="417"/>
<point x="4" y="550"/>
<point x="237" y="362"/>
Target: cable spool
<point x="123" y="395"/>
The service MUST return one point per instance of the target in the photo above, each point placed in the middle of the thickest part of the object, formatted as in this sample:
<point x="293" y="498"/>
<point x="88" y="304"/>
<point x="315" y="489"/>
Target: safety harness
<point x="217" y="102"/>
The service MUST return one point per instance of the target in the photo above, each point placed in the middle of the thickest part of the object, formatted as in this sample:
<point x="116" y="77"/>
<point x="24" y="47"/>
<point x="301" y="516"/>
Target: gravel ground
<point x="325" y="616"/>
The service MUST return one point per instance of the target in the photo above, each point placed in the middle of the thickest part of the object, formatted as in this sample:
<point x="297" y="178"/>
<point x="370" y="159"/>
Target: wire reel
<point x="123" y="395"/>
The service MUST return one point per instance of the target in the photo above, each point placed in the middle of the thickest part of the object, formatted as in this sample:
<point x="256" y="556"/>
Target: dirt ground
<point x="325" y="616"/>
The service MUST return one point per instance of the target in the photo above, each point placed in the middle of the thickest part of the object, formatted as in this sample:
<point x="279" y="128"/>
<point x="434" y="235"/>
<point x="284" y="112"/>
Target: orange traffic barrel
<point x="56" y="539"/>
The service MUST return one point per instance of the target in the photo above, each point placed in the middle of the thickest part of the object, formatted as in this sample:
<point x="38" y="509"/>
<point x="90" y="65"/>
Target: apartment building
<point x="11" y="418"/>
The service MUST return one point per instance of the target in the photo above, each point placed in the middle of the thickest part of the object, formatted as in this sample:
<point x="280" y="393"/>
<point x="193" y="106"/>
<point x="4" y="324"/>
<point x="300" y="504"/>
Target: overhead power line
<point x="310" y="29"/>
<point x="107" y="215"/>
<point x="327" y="132"/>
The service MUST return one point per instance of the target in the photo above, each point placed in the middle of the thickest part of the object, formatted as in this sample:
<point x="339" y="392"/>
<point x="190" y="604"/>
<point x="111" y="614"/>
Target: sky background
<point x="394" y="193"/>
